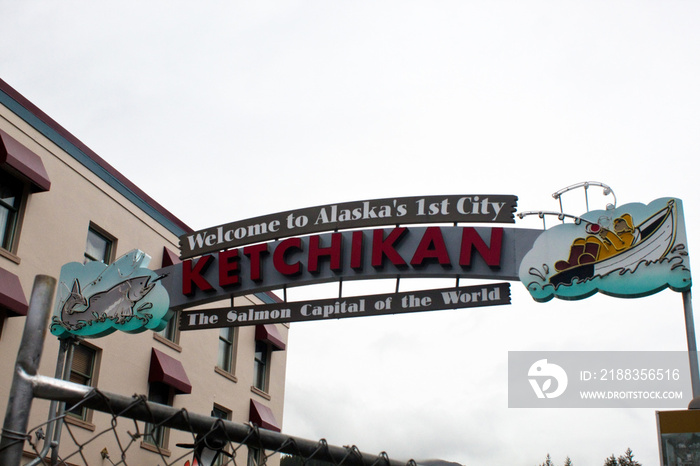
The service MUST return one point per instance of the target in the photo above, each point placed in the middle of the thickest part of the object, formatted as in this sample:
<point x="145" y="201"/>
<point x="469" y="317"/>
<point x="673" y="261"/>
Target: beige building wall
<point x="53" y="232"/>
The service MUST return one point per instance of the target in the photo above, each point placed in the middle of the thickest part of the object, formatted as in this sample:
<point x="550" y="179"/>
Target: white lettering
<point x="196" y="240"/>
<point x="322" y="217"/>
<point x="497" y="208"/>
<point x="210" y="240"/>
<point x="329" y="310"/>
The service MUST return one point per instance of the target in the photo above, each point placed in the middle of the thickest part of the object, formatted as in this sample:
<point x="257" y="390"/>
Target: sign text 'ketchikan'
<point x="474" y="208"/>
<point x="399" y="252"/>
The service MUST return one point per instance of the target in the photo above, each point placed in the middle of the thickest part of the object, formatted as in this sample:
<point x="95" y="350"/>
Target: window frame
<point x="162" y="394"/>
<point x="9" y="250"/>
<point x="261" y="381"/>
<point x="170" y="335"/>
<point x="84" y="417"/>
<point x="227" y="349"/>
<point x="255" y="456"/>
<point x="110" y="240"/>
<point x="226" y="415"/>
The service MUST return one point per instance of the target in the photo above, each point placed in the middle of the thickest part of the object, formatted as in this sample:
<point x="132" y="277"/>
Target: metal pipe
<point x="14" y="431"/>
<point x="139" y="409"/>
<point x="692" y="343"/>
<point x="68" y="367"/>
<point x="51" y="422"/>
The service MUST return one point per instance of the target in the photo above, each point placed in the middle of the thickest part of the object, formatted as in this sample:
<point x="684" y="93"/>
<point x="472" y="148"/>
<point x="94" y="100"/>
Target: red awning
<point x="262" y="416"/>
<point x="11" y="294"/>
<point x="25" y="162"/>
<point x="169" y="257"/>
<point x="169" y="371"/>
<point x="269" y="334"/>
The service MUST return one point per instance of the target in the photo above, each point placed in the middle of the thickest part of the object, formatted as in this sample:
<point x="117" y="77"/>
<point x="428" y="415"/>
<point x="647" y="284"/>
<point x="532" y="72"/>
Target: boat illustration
<point x="652" y="241"/>
<point x="628" y="251"/>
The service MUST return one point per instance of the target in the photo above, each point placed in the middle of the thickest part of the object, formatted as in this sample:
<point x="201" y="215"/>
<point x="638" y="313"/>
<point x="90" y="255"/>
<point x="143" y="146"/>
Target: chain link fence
<point x="134" y="421"/>
<point x="213" y="440"/>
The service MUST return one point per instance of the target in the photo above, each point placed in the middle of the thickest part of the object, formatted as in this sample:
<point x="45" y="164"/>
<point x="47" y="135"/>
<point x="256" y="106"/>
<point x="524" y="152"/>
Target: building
<point x="59" y="203"/>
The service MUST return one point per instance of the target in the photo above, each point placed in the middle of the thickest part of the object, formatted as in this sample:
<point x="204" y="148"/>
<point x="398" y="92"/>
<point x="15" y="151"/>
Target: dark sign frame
<point x="470" y="208"/>
<point x="492" y="294"/>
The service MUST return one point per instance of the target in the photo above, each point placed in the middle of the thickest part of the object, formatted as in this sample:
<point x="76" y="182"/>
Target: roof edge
<point x="60" y="136"/>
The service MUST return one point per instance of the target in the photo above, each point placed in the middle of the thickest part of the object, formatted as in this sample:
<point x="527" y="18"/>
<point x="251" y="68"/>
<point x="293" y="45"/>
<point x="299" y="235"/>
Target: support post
<point x="14" y="431"/>
<point x="692" y="343"/>
<point x="53" y="407"/>
<point x="61" y="407"/>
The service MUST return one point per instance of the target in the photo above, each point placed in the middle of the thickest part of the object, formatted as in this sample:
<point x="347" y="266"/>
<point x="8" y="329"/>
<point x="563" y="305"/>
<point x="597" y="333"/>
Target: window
<point x="227" y="349"/>
<point x="83" y="371"/>
<point x="221" y="413"/>
<point x="12" y="194"/>
<point x="225" y="414"/>
<point x="261" y="365"/>
<point x="158" y="435"/>
<point x="99" y="246"/>
<point x="255" y="456"/>
<point x="170" y="332"/>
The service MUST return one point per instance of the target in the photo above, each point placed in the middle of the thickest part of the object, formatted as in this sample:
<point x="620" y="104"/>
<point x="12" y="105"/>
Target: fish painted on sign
<point x="95" y="299"/>
<point x="116" y="304"/>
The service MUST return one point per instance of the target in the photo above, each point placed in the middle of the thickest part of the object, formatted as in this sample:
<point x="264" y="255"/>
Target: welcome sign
<point x="473" y="208"/>
<point x="632" y="251"/>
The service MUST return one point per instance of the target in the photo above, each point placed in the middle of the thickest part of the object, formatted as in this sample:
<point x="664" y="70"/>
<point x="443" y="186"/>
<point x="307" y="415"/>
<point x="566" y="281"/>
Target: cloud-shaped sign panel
<point x="631" y="251"/>
<point x="95" y="299"/>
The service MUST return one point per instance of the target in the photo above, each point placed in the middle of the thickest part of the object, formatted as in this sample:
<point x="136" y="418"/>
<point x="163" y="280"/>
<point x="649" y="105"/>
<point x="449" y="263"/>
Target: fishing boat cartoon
<point x="649" y="241"/>
<point x="609" y="251"/>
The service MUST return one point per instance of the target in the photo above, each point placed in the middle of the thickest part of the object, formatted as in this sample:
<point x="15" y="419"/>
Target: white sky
<point x="228" y="110"/>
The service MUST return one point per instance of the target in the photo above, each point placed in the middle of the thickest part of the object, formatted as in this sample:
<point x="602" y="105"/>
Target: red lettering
<point x="333" y="252"/>
<point x="278" y="257"/>
<point x="228" y="268"/>
<point x="193" y="275"/>
<point x="384" y="247"/>
<point x="255" y="253"/>
<point x="431" y="246"/>
<point x="356" y="250"/>
<point x="471" y="240"/>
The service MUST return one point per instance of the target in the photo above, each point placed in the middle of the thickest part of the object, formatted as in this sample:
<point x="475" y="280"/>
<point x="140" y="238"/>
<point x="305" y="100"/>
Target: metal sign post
<point x="14" y="429"/>
<point x="692" y="343"/>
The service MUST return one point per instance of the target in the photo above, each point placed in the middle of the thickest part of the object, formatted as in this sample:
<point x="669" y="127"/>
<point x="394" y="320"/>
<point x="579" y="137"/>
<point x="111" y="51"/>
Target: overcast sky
<point x="223" y="111"/>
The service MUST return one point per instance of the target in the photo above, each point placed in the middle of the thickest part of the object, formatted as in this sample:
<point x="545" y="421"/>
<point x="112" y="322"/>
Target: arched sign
<point x="631" y="251"/>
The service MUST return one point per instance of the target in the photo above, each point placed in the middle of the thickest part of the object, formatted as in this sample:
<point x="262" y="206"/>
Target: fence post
<point x="14" y="431"/>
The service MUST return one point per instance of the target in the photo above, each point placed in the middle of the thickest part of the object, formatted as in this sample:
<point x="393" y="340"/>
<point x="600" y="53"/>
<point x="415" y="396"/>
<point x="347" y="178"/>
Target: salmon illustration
<point x="116" y="303"/>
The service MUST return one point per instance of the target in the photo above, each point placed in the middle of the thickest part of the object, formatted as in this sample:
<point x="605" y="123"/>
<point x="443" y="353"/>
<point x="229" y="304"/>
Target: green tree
<point x="567" y="462"/>
<point x="547" y="461"/>
<point x="611" y="461"/>
<point x="628" y="459"/>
